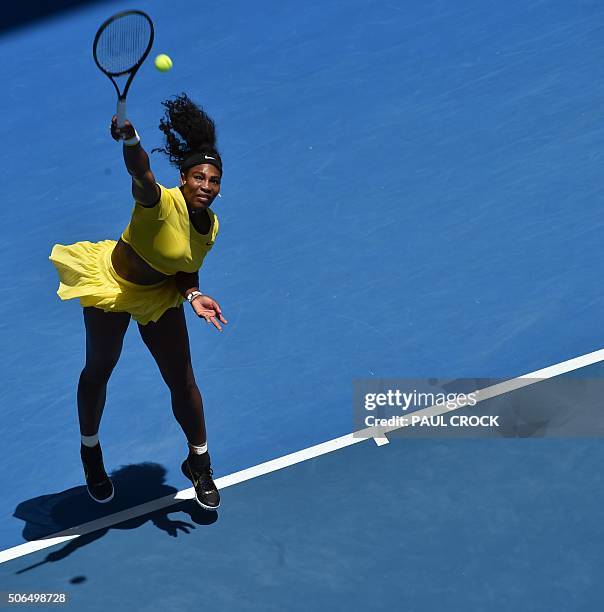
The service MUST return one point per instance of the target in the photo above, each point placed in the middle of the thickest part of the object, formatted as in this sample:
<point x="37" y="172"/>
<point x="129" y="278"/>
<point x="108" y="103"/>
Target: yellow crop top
<point x="165" y="237"/>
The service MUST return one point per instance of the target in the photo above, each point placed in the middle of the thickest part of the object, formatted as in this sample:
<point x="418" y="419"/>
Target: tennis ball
<point x="163" y="62"/>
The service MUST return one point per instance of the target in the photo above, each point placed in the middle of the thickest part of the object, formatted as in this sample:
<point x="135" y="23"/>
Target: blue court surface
<point x="411" y="190"/>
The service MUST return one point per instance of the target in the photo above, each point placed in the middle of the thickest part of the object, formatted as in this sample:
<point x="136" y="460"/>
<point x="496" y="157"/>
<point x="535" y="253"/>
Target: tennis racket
<point x="120" y="47"/>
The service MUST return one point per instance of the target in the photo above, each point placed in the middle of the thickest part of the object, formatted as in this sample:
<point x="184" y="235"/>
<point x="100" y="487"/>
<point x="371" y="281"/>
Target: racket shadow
<point x="134" y="485"/>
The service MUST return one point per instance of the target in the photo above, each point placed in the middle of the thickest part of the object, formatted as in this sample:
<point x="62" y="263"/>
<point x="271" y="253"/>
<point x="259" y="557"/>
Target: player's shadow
<point x="134" y="485"/>
<point x="19" y="14"/>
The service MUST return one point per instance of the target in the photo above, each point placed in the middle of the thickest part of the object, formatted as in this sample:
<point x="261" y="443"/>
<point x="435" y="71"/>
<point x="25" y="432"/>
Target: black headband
<point x="197" y="159"/>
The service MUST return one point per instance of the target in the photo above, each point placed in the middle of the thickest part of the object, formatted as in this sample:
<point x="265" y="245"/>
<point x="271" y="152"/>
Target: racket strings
<point x="123" y="43"/>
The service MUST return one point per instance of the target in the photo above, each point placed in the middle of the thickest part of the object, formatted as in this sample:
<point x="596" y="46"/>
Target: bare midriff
<point x="132" y="267"/>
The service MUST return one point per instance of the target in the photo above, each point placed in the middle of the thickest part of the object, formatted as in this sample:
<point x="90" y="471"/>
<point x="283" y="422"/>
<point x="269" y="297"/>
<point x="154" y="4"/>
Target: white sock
<point x="90" y="440"/>
<point x="198" y="450"/>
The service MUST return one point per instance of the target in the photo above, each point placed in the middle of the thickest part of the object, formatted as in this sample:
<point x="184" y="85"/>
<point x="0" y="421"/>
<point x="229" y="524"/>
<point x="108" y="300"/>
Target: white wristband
<point x="132" y="142"/>
<point x="191" y="296"/>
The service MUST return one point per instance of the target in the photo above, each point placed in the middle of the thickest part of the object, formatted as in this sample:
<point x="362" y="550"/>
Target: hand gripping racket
<point x="120" y="47"/>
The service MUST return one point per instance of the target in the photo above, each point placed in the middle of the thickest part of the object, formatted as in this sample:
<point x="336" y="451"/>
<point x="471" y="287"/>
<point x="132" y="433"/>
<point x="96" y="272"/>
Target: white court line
<point x="288" y="460"/>
<point x="169" y="500"/>
<point x="381" y="440"/>
<point x="493" y="391"/>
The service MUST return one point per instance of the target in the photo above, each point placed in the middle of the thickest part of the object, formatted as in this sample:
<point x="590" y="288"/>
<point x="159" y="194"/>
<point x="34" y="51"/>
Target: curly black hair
<point x="188" y="130"/>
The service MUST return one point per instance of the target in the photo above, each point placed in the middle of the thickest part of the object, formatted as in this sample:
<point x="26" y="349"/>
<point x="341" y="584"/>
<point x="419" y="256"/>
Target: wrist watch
<point x="191" y="296"/>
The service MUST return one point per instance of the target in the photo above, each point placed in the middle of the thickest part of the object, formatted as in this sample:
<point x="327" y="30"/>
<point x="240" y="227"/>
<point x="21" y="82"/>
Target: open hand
<point x="172" y="527"/>
<point x="208" y="308"/>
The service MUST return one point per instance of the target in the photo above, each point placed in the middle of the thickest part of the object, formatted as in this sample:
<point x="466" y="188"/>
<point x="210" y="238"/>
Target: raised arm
<point x="144" y="187"/>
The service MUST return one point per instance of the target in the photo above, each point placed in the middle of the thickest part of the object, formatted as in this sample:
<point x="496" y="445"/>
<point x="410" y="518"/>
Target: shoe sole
<point x="210" y="508"/>
<point x="183" y="467"/>
<point x="101" y="501"/>
<point x="96" y="499"/>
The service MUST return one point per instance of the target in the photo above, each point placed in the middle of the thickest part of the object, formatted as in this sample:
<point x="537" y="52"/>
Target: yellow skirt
<point x="86" y="272"/>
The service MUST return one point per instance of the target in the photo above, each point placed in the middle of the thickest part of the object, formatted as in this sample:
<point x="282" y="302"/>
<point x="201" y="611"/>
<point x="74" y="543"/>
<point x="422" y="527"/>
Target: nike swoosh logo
<point x="208" y="157"/>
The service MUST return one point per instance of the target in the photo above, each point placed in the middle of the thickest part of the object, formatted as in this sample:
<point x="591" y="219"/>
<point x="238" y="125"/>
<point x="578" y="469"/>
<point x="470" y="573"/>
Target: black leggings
<point x="168" y="341"/>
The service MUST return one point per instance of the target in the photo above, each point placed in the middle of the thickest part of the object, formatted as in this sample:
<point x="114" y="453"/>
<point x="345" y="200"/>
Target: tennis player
<point x="147" y="275"/>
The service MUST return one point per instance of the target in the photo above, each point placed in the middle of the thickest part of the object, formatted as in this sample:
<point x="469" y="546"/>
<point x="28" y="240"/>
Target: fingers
<point x="216" y="307"/>
<point x="114" y="131"/>
<point x="210" y="318"/>
<point x="121" y="133"/>
<point x="215" y="323"/>
<point x="211" y="315"/>
<point x="127" y="122"/>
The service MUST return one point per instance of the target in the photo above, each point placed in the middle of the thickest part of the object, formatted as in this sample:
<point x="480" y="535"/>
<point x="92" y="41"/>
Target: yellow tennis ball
<point x="163" y="62"/>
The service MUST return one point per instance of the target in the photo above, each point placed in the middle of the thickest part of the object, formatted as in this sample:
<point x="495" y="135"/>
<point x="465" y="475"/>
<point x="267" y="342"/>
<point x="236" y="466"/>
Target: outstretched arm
<point x="144" y="187"/>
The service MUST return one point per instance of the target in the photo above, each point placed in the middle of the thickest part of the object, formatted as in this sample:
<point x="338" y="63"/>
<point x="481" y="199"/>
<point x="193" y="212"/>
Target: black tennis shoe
<point x="99" y="486"/>
<point x="198" y="470"/>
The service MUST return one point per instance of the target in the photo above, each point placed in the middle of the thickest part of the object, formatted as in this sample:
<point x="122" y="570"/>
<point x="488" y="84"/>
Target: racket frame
<point x="121" y="96"/>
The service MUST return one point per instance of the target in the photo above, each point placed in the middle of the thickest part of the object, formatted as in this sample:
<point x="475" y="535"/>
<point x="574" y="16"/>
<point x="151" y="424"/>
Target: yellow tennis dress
<point x="162" y="235"/>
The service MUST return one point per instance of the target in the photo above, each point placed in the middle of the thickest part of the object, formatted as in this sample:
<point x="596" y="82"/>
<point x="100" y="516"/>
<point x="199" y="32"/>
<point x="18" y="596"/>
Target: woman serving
<point x="147" y="274"/>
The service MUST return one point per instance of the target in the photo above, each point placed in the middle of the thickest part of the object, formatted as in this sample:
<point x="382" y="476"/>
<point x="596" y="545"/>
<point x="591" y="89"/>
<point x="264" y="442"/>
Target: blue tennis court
<point x="411" y="190"/>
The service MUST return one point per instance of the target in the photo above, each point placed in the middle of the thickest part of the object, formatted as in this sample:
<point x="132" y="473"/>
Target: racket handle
<point x="121" y="112"/>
